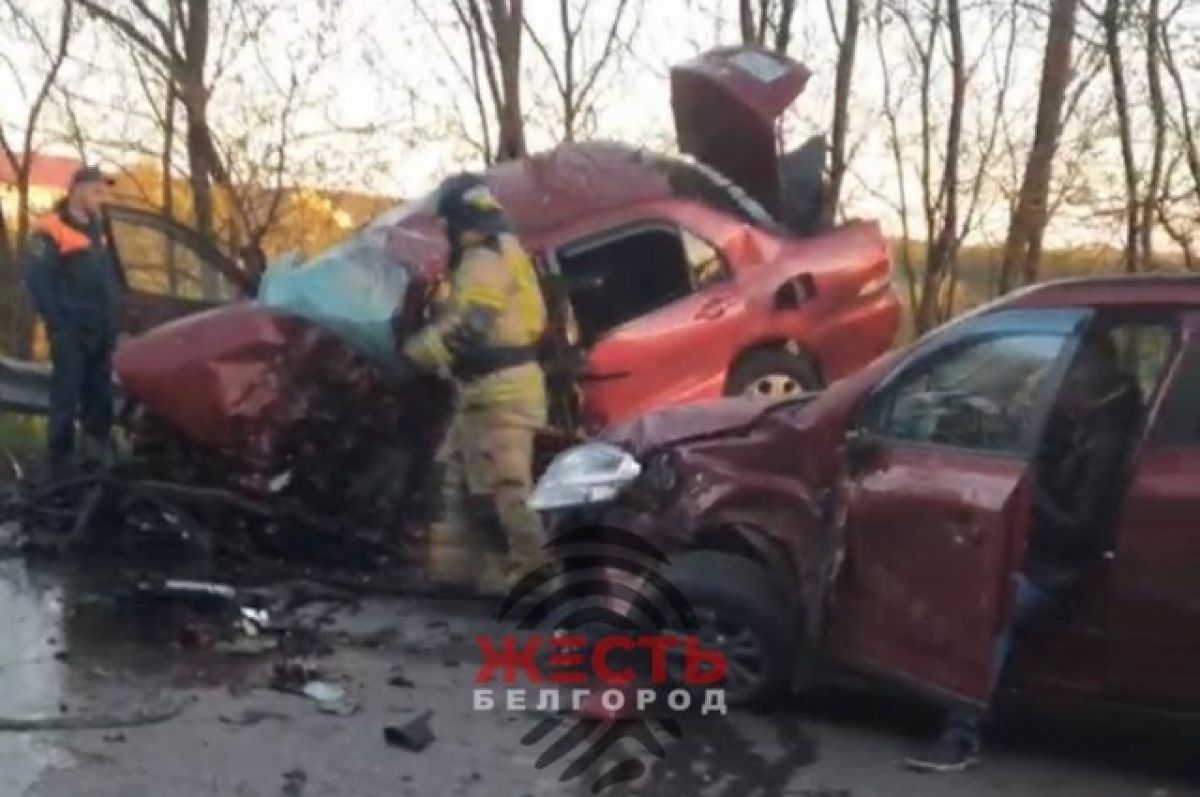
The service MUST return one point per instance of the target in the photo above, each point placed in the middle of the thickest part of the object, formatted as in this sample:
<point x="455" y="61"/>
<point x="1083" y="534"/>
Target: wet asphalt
<point x="73" y="655"/>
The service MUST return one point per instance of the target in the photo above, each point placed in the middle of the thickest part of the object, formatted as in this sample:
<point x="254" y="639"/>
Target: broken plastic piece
<point x="413" y="736"/>
<point x="323" y="692"/>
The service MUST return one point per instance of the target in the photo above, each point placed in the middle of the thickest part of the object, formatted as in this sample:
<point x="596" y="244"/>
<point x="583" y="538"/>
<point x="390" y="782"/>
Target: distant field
<point x="979" y="266"/>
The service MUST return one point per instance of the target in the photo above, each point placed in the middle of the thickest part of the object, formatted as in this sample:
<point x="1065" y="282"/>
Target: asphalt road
<point x="61" y="656"/>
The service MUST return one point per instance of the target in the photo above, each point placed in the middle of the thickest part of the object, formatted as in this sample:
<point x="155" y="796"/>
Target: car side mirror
<point x="861" y="449"/>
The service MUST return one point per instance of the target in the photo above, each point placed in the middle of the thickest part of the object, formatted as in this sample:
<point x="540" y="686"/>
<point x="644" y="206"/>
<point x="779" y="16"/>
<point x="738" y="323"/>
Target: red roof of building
<point x="49" y="171"/>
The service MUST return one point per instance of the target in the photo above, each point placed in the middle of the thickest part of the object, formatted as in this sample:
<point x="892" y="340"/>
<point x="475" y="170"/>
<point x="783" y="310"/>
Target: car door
<point x="169" y="270"/>
<point x="1154" y="601"/>
<point x="936" y="515"/>
<point x="658" y="312"/>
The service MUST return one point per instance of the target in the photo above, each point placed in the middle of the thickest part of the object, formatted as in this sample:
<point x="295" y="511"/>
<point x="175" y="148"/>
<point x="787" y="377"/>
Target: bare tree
<point x="1027" y="225"/>
<point x="576" y="73"/>
<point x="1112" y="22"/>
<point x="1187" y="157"/>
<point x="179" y="46"/>
<point x="21" y="156"/>
<point x="942" y="254"/>
<point x="767" y="23"/>
<point x="246" y="156"/>
<point x="934" y="170"/>
<point x="847" y="44"/>
<point x="1158" y="116"/>
<point x="494" y="38"/>
<point x="892" y="101"/>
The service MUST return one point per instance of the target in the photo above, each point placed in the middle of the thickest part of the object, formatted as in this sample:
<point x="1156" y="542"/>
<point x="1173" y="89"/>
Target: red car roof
<point x="575" y="181"/>
<point x="1118" y="291"/>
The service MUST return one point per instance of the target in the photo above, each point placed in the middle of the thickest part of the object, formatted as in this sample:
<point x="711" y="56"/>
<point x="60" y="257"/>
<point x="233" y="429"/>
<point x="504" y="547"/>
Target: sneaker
<point x="948" y="754"/>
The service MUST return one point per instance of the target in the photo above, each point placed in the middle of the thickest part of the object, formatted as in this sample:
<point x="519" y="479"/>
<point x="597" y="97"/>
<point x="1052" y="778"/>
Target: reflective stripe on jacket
<point x="72" y="277"/>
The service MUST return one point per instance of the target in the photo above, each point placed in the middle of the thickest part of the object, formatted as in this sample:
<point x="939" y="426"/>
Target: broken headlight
<point x="586" y="474"/>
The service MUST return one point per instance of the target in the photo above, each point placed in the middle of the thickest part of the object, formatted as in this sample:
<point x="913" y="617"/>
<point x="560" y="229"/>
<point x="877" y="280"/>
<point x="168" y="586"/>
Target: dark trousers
<point x="1036" y="610"/>
<point x="80" y="388"/>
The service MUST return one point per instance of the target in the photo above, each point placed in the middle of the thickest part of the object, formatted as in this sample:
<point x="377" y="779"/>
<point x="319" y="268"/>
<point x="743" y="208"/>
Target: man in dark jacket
<point x="77" y="290"/>
<point x="1076" y="479"/>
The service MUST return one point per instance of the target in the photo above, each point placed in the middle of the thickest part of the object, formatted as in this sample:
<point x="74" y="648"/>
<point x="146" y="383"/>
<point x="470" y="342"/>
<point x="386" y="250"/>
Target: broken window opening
<point x="627" y="275"/>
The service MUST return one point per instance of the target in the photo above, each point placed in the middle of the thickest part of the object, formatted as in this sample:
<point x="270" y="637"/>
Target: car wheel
<point x="773" y="375"/>
<point x="740" y="612"/>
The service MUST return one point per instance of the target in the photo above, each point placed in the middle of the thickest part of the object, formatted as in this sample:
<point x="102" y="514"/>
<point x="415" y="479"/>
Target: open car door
<point x="169" y="269"/>
<point x="939" y="501"/>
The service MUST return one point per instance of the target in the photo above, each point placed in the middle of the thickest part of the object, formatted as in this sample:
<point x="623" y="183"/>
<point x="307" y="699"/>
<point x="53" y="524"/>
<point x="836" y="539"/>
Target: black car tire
<point x="743" y="594"/>
<point x="766" y="366"/>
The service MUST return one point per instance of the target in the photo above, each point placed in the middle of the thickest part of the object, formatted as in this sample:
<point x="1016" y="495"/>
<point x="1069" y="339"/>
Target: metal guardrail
<point x="24" y="387"/>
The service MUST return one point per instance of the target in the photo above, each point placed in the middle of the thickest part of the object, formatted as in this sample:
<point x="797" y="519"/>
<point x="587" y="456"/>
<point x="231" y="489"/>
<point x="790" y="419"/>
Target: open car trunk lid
<point x="726" y="103"/>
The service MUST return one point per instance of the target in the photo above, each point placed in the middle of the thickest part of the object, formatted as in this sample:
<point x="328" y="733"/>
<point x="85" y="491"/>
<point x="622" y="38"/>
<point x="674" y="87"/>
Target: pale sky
<point x="386" y="67"/>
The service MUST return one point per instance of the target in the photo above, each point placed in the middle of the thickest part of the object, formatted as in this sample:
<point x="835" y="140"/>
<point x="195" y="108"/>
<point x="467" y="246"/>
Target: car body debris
<point x="413" y="736"/>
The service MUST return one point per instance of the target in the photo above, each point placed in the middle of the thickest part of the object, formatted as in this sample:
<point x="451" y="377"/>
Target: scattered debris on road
<point x="151" y="715"/>
<point x="413" y="736"/>
<point x="253" y="716"/>
<point x="294" y="781"/>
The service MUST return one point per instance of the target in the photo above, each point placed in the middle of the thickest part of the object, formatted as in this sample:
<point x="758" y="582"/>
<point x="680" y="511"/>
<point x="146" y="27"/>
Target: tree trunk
<point x="783" y="27"/>
<point x="847" y="46"/>
<point x="1157" y="153"/>
<point x="200" y="170"/>
<point x="942" y="255"/>
<point x="168" y="186"/>
<point x="1111" y="20"/>
<point x="507" y="25"/>
<point x="756" y="24"/>
<point x="746" y="22"/>
<point x="1023" y="246"/>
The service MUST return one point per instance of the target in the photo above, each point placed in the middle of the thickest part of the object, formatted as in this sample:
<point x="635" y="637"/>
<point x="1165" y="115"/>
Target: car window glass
<point x="1179" y="417"/>
<point x="704" y="261"/>
<point x="1143" y="350"/>
<point x="156" y="263"/>
<point x="979" y="395"/>
<point x="617" y="279"/>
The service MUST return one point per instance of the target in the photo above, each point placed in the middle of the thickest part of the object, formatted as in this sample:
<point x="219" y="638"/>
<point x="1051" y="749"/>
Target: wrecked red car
<point x="682" y="280"/>
<point x="875" y="529"/>
<point x="669" y="280"/>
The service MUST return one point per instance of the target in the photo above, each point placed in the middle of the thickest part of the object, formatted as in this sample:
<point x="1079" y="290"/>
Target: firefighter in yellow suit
<point x="485" y="336"/>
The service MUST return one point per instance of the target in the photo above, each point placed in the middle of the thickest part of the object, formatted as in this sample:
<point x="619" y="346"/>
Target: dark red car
<point x="876" y="528"/>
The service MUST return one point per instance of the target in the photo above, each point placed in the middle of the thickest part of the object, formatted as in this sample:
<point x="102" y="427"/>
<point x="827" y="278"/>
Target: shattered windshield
<point x="352" y="289"/>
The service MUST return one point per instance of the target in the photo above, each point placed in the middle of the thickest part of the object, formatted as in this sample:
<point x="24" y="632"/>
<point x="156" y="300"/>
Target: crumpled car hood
<point x="679" y="423"/>
<point x="772" y="470"/>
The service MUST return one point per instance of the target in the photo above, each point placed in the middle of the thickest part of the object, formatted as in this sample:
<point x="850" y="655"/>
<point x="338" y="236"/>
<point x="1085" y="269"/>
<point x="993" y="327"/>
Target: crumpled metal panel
<point x="768" y="470"/>
<point x="671" y="425"/>
<point x="225" y="378"/>
<point x="774" y="472"/>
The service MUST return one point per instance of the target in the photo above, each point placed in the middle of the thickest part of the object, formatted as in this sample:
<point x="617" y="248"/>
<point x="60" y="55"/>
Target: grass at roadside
<point x="21" y="436"/>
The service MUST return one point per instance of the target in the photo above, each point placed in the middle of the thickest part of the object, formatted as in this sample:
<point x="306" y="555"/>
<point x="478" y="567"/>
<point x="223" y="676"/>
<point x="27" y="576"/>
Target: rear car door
<point x="169" y="270"/>
<point x="1154" y="601"/>
<point x="936" y="516"/>
<point x="658" y="312"/>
